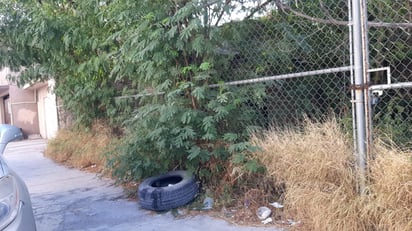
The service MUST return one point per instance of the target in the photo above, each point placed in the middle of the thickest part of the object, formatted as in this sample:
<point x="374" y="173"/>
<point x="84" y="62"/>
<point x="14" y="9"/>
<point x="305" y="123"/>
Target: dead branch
<point x="331" y="21"/>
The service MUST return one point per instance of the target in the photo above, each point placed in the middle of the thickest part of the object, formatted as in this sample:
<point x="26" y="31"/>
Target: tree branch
<point x="222" y="13"/>
<point x="288" y="9"/>
<point x="256" y="9"/>
<point x="326" y="11"/>
<point x="331" y="21"/>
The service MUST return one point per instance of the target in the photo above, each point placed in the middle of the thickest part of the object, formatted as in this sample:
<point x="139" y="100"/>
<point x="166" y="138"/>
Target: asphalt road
<point x="68" y="199"/>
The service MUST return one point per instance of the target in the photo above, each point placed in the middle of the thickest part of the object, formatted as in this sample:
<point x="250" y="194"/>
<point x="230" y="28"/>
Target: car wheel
<point x="167" y="191"/>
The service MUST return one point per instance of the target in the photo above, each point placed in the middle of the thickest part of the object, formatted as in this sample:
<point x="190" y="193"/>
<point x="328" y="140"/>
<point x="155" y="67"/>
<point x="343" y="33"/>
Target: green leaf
<point x="194" y="152"/>
<point x="254" y="167"/>
<point x="238" y="158"/>
<point x="199" y="93"/>
<point x="230" y="137"/>
<point x="205" y="66"/>
<point x="241" y="147"/>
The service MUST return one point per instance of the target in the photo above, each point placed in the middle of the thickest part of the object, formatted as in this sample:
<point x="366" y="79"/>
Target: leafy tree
<point x="66" y="41"/>
<point x="170" y="56"/>
<point x="164" y="51"/>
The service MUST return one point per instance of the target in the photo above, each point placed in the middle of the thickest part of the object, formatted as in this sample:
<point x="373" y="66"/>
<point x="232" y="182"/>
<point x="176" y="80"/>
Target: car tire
<point x="167" y="191"/>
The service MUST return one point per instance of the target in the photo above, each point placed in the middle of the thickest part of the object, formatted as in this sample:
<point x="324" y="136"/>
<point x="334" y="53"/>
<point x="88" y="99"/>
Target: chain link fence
<point x="390" y="46"/>
<point x="293" y="62"/>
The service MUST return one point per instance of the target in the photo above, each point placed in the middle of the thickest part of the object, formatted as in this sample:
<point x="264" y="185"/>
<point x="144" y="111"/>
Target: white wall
<point x="3" y="73"/>
<point x="47" y="108"/>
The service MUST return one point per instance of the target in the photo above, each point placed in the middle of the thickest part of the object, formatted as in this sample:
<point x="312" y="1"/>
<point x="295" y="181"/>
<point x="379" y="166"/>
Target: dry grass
<point x="313" y="169"/>
<point x="316" y="167"/>
<point x="80" y="149"/>
<point x="391" y="189"/>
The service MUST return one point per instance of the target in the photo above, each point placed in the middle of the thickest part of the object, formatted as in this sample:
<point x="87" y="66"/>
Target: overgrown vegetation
<point x="311" y="170"/>
<point x="316" y="167"/>
<point x="147" y="66"/>
<point x="392" y="117"/>
<point x="82" y="148"/>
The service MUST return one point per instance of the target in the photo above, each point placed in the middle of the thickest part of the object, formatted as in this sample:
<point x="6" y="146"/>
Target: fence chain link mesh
<point x="288" y="40"/>
<point x="291" y="38"/>
<point x="390" y="45"/>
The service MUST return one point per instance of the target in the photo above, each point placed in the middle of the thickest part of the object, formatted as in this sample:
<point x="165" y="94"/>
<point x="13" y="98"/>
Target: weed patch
<point x="310" y="170"/>
<point x="81" y="148"/>
<point x="317" y="168"/>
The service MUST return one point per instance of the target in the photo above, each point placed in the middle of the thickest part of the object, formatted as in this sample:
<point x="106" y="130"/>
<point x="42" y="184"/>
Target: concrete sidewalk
<point x="69" y="199"/>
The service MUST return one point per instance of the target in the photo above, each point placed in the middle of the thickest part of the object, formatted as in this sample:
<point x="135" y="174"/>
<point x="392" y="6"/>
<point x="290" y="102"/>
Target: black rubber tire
<point x="167" y="191"/>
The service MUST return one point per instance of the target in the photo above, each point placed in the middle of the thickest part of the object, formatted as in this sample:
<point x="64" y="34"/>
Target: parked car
<point x="16" y="211"/>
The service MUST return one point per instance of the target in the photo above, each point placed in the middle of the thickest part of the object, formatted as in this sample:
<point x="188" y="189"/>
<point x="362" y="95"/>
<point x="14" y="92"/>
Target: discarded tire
<point x="167" y="191"/>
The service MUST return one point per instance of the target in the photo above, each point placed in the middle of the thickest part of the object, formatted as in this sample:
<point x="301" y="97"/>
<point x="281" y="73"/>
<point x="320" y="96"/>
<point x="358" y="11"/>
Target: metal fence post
<point x="359" y="87"/>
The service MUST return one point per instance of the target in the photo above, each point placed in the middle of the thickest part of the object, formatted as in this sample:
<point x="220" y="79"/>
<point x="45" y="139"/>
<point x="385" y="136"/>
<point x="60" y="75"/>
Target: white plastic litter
<point x="267" y="220"/>
<point x="263" y="212"/>
<point x="293" y="223"/>
<point x="208" y="203"/>
<point x="277" y="205"/>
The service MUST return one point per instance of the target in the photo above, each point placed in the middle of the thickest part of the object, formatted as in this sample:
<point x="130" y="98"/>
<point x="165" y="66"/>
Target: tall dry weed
<point x="391" y="188"/>
<point x="317" y="168"/>
<point x="81" y="148"/>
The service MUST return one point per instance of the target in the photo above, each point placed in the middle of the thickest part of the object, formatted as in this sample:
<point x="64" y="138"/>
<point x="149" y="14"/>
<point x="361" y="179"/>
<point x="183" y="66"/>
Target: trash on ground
<point x="267" y="220"/>
<point x="247" y="203"/>
<point x="277" y="205"/>
<point x="293" y="223"/>
<point x="181" y="212"/>
<point x="207" y="203"/>
<point x="228" y="214"/>
<point x="263" y="212"/>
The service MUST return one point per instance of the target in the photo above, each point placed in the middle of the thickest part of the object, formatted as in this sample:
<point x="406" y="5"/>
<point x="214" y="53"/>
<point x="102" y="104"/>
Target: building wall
<point x="3" y="73"/>
<point x="32" y="108"/>
<point x="24" y="112"/>
<point x="47" y="109"/>
<point x="2" y="111"/>
<point x="4" y="97"/>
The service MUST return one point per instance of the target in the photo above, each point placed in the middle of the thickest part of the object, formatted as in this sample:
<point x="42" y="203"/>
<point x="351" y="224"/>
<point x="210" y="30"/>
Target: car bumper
<point x="24" y="221"/>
